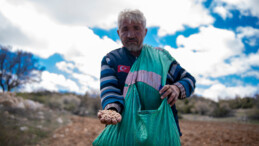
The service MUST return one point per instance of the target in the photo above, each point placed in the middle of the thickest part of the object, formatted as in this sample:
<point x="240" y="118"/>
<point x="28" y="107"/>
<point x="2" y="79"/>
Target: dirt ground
<point x="82" y="132"/>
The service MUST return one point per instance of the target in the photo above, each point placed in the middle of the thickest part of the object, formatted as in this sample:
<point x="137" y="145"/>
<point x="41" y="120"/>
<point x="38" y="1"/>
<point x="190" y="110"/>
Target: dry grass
<point x="27" y="127"/>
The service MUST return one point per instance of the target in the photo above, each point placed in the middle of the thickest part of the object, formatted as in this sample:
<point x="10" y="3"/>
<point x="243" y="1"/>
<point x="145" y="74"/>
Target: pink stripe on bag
<point x="150" y="78"/>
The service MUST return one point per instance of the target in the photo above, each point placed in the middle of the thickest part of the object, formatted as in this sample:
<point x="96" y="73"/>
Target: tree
<point x="17" y="68"/>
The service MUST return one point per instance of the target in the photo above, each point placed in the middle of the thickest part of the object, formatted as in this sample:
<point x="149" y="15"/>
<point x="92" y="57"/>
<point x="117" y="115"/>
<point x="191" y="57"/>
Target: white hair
<point x="132" y="15"/>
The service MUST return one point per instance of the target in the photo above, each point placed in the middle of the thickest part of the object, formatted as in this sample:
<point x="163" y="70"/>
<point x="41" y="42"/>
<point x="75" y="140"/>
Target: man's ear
<point x="118" y="32"/>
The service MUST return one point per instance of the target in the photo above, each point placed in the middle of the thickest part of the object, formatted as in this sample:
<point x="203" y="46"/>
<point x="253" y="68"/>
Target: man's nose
<point x="131" y="34"/>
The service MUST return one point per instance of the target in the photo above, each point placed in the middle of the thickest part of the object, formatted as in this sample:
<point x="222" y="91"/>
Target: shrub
<point x="235" y="103"/>
<point x="89" y="106"/>
<point x="257" y="101"/>
<point x="70" y="102"/>
<point x="253" y="114"/>
<point x="184" y="106"/>
<point x="202" y="108"/>
<point x="247" y="102"/>
<point x="221" y="110"/>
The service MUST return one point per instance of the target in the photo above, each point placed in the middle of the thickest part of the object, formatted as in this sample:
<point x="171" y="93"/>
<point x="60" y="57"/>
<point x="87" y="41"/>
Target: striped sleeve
<point x="111" y="96"/>
<point x="182" y="79"/>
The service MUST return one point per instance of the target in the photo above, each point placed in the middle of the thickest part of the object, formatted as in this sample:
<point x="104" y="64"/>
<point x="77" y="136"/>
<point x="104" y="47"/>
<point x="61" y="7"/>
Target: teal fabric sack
<point x="146" y="119"/>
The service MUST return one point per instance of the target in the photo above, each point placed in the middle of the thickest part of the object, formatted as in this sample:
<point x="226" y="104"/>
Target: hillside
<point x="55" y="119"/>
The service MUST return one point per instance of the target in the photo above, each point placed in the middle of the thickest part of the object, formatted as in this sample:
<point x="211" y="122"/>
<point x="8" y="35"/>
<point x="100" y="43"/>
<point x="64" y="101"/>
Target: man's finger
<point x="171" y="98"/>
<point x="167" y="93"/>
<point x="173" y="102"/>
<point x="99" y="115"/>
<point x="119" y="119"/>
<point x="108" y="121"/>
<point x="103" y="121"/>
<point x="164" y="89"/>
<point x="114" y="121"/>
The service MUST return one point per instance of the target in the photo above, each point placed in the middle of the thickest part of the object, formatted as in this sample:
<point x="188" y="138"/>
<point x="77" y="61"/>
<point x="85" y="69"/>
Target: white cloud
<point x="217" y="91"/>
<point x="205" y="53"/>
<point x="216" y="53"/>
<point x="247" y="32"/>
<point x="222" y="11"/>
<point x="78" y="83"/>
<point x="205" y="81"/>
<point x="10" y="34"/>
<point x="172" y="16"/>
<point x="252" y="34"/>
<point x="246" y="7"/>
<point x="53" y="82"/>
<point x="169" y="15"/>
<point x="251" y="74"/>
<point x="246" y="61"/>
<point x="82" y="12"/>
<point x="64" y="66"/>
<point x="75" y="42"/>
<point x="87" y="82"/>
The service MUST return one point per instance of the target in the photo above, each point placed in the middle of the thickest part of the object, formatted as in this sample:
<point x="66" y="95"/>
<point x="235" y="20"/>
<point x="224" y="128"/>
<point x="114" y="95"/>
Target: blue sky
<point x="215" y="40"/>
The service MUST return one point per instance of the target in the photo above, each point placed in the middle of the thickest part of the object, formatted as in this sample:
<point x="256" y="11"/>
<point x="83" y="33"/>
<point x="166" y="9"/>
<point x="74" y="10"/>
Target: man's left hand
<point x="170" y="91"/>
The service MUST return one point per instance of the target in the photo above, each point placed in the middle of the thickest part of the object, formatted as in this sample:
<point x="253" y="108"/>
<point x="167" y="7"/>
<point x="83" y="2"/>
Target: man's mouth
<point x="132" y="41"/>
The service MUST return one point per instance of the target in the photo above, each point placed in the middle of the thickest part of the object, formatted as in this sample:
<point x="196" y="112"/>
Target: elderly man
<point x="116" y="66"/>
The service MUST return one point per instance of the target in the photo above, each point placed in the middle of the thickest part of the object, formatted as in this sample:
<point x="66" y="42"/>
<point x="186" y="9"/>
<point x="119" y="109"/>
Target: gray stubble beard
<point x="134" y="48"/>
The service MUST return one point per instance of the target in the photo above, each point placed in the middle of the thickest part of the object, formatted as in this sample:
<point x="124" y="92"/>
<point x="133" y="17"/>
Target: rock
<point x="40" y="113"/>
<point x="66" y="130"/>
<point x="24" y="128"/>
<point x="6" y="113"/>
<point x="9" y="100"/>
<point x="6" y="103"/>
<point x="54" y="136"/>
<point x="11" y="117"/>
<point x="29" y="104"/>
<point x="19" y="105"/>
<point x="41" y="117"/>
<point x="59" y="120"/>
<point x="39" y="126"/>
<point x="24" y="119"/>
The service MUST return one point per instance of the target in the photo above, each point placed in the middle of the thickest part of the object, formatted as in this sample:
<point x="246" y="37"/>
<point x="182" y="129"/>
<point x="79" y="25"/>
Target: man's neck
<point x="135" y="53"/>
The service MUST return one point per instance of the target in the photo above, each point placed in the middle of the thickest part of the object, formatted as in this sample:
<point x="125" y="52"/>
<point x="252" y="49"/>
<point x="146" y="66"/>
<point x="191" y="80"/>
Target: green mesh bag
<point x="146" y="119"/>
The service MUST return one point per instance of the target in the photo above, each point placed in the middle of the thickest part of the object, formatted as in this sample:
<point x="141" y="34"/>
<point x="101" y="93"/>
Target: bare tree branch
<point x="17" y="68"/>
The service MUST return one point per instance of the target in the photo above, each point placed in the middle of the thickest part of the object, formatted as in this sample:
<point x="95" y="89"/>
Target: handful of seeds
<point x="109" y="114"/>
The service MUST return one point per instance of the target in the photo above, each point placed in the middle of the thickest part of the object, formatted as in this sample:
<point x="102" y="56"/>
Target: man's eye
<point x="136" y="27"/>
<point x="125" y="29"/>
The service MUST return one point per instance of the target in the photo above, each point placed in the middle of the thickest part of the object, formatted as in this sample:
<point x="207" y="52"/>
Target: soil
<point x="83" y="130"/>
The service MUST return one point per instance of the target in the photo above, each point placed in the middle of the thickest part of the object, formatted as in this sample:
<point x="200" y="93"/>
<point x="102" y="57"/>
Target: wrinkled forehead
<point x="130" y="22"/>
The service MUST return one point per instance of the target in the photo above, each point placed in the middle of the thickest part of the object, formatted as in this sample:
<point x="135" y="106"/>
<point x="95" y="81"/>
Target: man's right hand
<point x="109" y="117"/>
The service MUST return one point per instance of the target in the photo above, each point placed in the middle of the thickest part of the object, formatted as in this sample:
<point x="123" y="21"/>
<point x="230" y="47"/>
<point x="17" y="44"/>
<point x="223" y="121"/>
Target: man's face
<point x="132" y="35"/>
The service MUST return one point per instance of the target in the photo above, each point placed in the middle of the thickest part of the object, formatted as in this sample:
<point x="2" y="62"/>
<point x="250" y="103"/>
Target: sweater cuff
<point x="182" y="90"/>
<point x="115" y="106"/>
